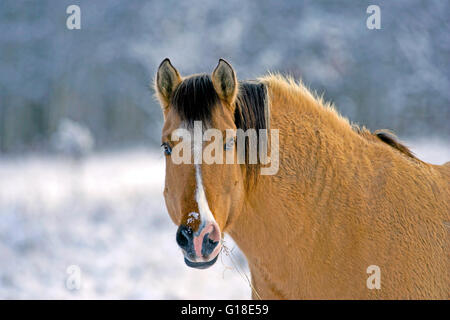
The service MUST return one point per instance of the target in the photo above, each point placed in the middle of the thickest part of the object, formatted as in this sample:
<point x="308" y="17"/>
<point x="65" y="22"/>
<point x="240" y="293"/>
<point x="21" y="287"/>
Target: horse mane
<point x="252" y="112"/>
<point x="383" y="135"/>
<point x="195" y="100"/>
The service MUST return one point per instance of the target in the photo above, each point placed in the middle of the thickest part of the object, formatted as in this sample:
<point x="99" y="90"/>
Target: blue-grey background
<point x="80" y="170"/>
<point x="396" y="77"/>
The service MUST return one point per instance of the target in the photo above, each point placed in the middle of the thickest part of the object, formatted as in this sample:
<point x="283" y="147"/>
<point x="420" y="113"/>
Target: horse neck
<point x="313" y="141"/>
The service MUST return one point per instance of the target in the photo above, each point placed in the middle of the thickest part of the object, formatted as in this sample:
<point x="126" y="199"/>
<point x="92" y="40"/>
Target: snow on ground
<point x="106" y="215"/>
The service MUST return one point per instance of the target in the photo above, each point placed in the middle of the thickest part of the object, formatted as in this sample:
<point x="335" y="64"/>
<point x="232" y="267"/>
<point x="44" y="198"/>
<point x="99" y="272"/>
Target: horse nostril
<point x="184" y="236"/>
<point x="208" y="245"/>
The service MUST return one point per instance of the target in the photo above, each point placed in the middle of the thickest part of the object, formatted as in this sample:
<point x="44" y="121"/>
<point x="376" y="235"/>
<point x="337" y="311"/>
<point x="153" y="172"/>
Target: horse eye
<point x="166" y="148"/>
<point x="229" y="145"/>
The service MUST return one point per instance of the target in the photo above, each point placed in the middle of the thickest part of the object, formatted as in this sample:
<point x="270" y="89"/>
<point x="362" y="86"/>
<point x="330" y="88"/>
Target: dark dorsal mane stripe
<point x="390" y="139"/>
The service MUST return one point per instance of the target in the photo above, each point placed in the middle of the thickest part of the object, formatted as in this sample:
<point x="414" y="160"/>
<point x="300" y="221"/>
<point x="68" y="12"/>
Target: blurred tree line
<point x="99" y="76"/>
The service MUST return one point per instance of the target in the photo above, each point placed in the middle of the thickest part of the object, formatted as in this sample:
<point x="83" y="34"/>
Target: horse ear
<point x="167" y="79"/>
<point x="225" y="82"/>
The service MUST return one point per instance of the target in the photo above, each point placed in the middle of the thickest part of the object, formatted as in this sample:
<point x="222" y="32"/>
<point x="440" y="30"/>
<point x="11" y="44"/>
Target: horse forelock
<point x="194" y="99"/>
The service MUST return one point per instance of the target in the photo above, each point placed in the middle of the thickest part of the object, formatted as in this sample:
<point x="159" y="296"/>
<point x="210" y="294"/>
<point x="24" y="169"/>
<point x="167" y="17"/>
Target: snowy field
<point x="106" y="215"/>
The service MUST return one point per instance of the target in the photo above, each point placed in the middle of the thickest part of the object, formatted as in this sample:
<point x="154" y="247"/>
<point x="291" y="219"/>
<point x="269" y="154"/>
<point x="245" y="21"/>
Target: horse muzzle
<point x="201" y="248"/>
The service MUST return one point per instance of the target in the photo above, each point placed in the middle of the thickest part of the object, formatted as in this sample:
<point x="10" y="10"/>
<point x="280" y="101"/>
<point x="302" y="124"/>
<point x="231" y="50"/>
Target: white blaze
<point x="206" y="215"/>
<point x="202" y="203"/>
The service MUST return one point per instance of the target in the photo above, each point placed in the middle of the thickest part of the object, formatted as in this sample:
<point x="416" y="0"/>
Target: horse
<point x="344" y="201"/>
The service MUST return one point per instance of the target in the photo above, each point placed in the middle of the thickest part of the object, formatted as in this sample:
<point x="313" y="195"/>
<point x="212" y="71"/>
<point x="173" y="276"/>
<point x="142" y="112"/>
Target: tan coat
<point x="343" y="201"/>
